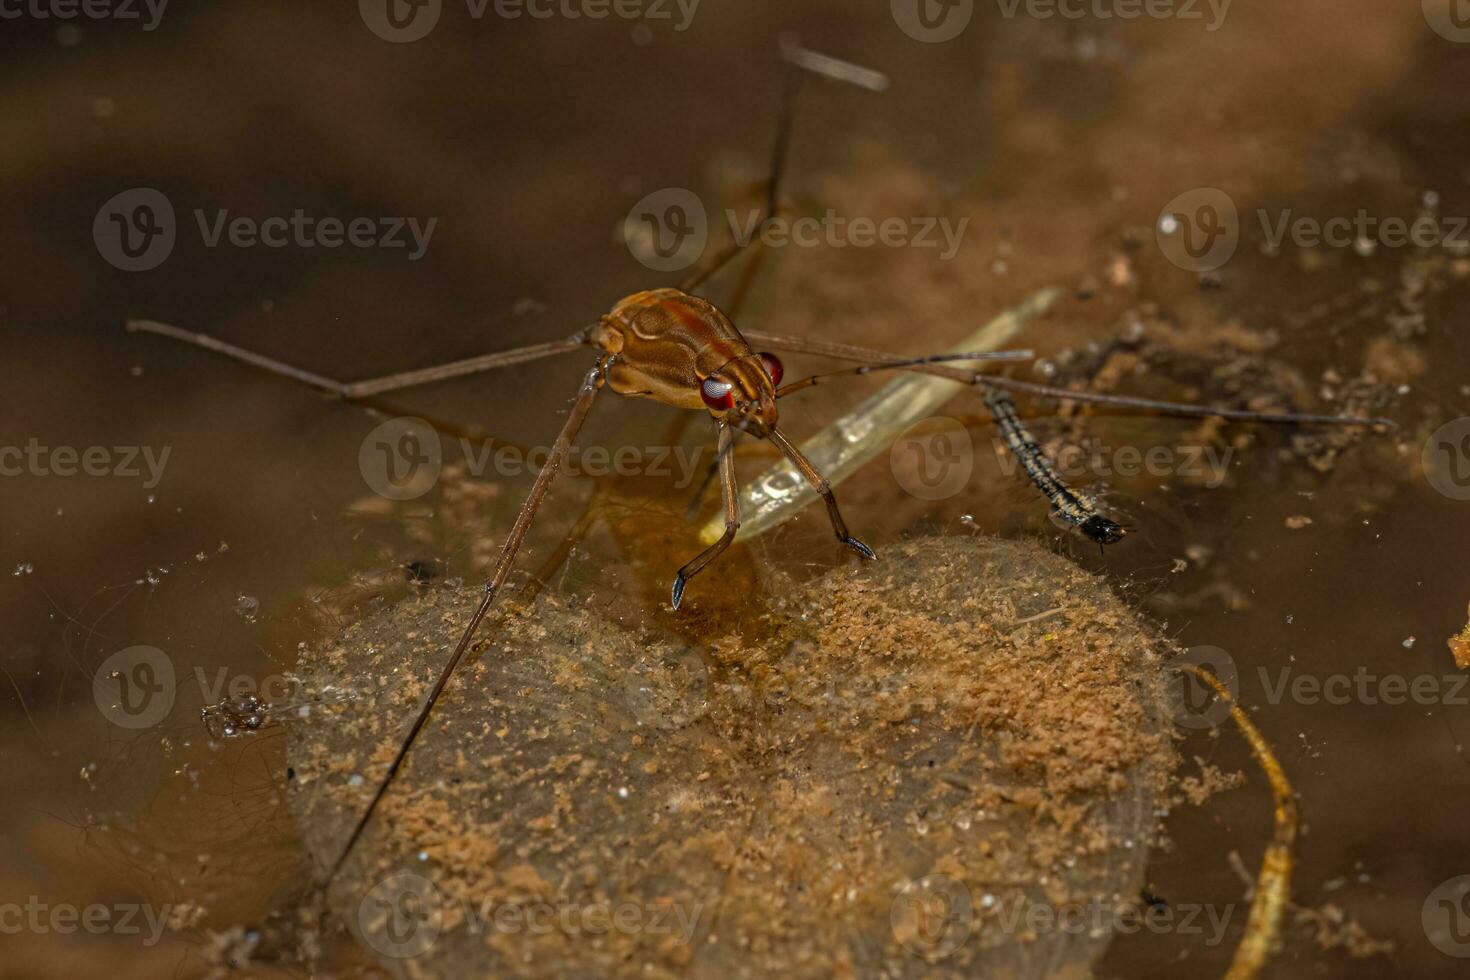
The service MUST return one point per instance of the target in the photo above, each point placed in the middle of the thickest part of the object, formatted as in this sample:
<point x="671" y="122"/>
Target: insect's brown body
<point x="669" y="343"/>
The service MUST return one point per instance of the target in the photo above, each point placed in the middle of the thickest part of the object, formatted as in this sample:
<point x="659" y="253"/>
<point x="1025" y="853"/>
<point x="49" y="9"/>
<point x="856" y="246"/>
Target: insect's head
<point x="743" y="392"/>
<point x="1102" y="530"/>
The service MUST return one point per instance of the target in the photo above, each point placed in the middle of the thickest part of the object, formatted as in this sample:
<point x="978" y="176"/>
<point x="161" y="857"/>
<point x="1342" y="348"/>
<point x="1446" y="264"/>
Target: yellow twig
<point x="1273" y="884"/>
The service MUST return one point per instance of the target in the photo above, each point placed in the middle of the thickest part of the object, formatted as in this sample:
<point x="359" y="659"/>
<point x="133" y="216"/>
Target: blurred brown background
<point x="1061" y="140"/>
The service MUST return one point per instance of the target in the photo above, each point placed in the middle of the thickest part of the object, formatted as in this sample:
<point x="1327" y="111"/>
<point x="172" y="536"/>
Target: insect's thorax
<point x="668" y="341"/>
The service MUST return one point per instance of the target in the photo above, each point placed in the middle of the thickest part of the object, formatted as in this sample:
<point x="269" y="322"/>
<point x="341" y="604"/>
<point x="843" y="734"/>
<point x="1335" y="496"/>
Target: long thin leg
<point x="591" y="384"/>
<point x="692" y="509"/>
<point x="372" y="386"/>
<point x="732" y="515"/>
<point x="796" y="60"/>
<point x="816" y="379"/>
<point x="824" y="490"/>
<point x="848" y="352"/>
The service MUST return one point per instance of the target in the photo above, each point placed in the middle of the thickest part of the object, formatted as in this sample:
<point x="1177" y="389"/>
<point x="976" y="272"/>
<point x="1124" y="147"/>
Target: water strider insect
<point x="677" y="347"/>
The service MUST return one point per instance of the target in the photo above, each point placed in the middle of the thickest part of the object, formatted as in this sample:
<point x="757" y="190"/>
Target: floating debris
<point x="235" y="716"/>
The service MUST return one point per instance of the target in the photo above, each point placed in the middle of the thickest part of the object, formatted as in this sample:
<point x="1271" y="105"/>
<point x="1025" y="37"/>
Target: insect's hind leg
<point x="359" y="390"/>
<point x="591" y="385"/>
<point x="732" y="515"/>
<point x="796" y="62"/>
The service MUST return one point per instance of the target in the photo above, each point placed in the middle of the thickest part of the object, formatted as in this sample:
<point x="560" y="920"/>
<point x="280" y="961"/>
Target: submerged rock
<point x="944" y="763"/>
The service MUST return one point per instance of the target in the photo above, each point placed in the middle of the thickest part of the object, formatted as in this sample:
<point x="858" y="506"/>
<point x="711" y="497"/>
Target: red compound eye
<point x="717" y="394"/>
<point x="773" y="367"/>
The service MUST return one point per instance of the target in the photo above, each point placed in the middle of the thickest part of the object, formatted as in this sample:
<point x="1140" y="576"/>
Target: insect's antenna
<point x="850" y="352"/>
<point x="1181" y="409"/>
<point x="1000" y="355"/>
<point x="590" y="386"/>
<point x="796" y="61"/>
<point x="1077" y="509"/>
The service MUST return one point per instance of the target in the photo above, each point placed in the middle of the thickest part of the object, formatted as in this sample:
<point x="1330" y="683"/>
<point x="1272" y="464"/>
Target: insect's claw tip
<point x="861" y="549"/>
<point x="678" y="596"/>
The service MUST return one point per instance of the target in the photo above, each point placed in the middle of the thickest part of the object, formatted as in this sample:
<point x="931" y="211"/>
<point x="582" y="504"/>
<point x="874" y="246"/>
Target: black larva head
<point x="1102" y="530"/>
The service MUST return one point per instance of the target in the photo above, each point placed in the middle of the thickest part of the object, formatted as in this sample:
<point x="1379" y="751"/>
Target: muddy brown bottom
<point x="945" y="763"/>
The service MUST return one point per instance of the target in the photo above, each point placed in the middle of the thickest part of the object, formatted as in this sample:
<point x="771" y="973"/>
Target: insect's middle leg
<point x="732" y="514"/>
<point x="824" y="490"/>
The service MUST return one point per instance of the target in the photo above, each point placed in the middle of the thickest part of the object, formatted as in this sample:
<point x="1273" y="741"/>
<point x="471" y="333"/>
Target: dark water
<point x="528" y="140"/>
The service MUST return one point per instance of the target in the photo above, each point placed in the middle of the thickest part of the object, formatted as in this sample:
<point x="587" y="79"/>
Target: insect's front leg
<point x="725" y="452"/>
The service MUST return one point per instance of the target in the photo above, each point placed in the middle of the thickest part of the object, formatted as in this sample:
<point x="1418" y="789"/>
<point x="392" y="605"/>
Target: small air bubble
<point x="354" y="780"/>
<point x="247" y="606"/>
<point x="24" y="568"/>
<point x="622" y="792"/>
<point x="1409" y="643"/>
